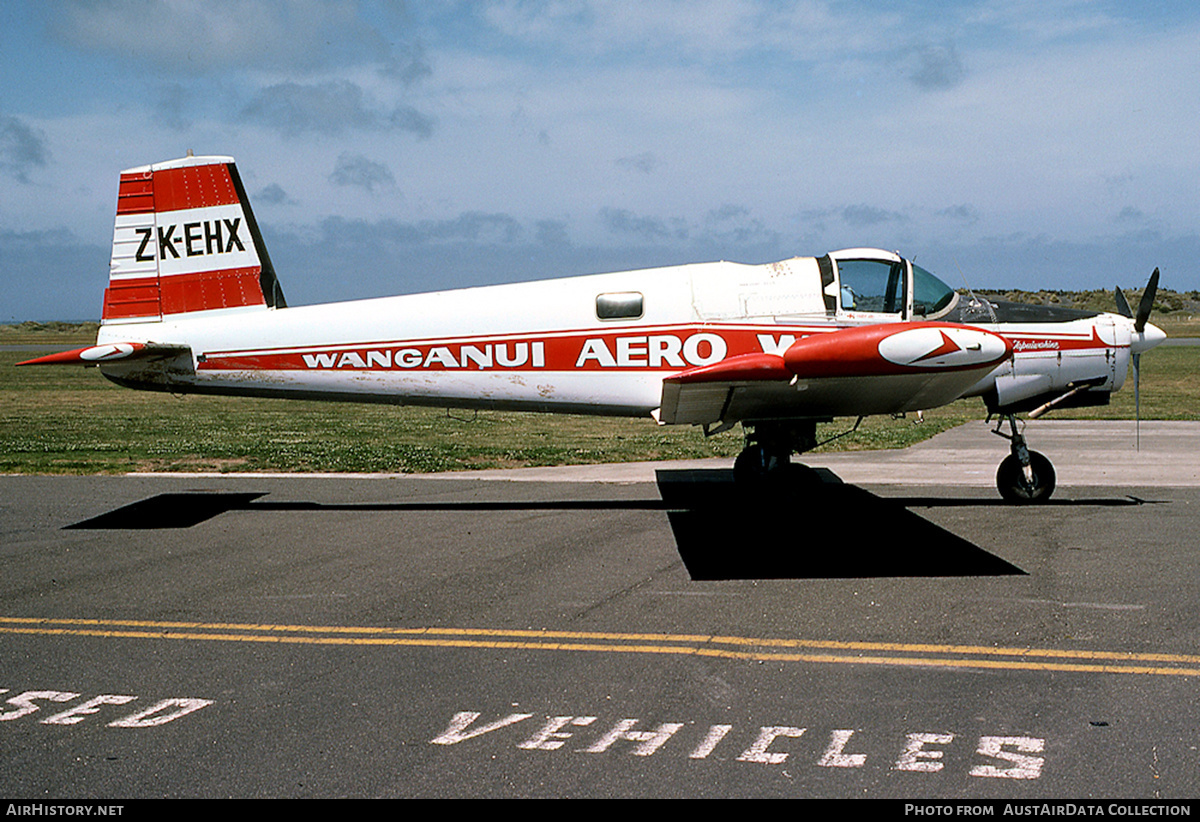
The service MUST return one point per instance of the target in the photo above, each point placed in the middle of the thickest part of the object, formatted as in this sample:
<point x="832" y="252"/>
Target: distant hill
<point x="48" y="333"/>
<point x="1165" y="301"/>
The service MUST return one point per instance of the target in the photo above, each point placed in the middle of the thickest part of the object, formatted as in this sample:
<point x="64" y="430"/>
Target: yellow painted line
<point x="747" y="648"/>
<point x="961" y="649"/>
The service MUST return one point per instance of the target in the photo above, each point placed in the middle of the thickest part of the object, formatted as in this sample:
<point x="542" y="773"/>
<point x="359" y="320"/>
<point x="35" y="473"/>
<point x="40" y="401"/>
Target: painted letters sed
<point x="160" y="713"/>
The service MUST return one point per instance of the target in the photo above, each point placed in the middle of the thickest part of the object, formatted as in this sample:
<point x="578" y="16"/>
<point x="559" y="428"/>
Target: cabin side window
<point x="872" y="285"/>
<point x="624" y="305"/>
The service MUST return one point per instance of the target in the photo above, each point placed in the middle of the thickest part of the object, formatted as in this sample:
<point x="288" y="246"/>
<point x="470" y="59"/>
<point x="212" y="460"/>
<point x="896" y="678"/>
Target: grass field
<point x="71" y="420"/>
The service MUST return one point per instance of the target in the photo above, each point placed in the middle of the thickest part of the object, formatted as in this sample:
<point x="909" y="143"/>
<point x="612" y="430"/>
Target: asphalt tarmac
<point x="652" y="633"/>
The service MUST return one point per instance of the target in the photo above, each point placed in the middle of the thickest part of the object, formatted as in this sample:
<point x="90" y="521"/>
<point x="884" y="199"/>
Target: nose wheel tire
<point x="1016" y="488"/>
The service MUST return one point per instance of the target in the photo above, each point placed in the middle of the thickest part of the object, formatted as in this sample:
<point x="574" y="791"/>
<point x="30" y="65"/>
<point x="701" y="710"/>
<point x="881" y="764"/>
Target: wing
<point x="878" y="369"/>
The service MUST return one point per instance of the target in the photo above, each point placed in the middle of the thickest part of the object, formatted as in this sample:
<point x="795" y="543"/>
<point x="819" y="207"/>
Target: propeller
<point x="1139" y="326"/>
<point x="1123" y="304"/>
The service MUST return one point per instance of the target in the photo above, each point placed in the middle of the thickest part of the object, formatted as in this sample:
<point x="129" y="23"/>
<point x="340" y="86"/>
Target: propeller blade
<point x="1147" y="303"/>
<point x="1123" y="304"/>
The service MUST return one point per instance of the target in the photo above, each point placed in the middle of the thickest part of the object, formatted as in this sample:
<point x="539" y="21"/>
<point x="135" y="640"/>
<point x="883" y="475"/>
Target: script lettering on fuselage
<point x="1074" y="340"/>
<point x="1036" y="345"/>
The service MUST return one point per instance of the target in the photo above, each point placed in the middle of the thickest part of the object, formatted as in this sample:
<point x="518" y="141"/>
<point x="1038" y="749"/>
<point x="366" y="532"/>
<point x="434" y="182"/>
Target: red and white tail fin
<point x="186" y="240"/>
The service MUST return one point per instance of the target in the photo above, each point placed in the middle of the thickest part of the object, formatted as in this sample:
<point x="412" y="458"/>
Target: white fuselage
<point x="547" y="346"/>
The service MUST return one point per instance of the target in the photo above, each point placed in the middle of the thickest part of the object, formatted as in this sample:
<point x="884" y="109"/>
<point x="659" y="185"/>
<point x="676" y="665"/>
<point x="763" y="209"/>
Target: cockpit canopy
<point x="875" y="282"/>
<point x="857" y="285"/>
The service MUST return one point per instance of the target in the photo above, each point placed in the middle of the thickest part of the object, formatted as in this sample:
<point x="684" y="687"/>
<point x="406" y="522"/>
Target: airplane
<point x="193" y="305"/>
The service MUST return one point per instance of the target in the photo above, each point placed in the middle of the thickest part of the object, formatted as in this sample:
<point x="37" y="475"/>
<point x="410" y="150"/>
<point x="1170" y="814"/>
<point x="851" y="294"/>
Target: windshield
<point x="931" y="296"/>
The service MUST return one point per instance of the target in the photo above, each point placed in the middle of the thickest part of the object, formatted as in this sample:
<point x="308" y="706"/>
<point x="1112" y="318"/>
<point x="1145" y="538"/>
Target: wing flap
<point x="702" y="395"/>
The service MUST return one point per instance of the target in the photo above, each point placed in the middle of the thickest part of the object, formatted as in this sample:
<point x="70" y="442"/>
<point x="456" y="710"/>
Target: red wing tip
<point x="58" y="358"/>
<point x="95" y="354"/>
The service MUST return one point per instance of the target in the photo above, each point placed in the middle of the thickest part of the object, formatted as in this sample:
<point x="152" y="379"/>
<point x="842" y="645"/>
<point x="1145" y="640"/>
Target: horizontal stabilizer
<point x="110" y="352"/>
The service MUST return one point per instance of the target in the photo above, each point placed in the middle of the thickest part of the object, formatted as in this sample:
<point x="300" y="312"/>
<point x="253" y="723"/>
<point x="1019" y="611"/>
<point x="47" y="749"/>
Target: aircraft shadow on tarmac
<point x="812" y="528"/>
<point x="816" y="527"/>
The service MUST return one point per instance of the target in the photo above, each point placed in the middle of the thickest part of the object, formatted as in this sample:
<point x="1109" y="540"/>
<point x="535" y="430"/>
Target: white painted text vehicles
<point x="193" y="305"/>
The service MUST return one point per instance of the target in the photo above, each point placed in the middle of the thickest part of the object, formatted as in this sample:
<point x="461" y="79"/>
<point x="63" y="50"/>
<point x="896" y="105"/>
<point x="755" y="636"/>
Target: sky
<point x="392" y="148"/>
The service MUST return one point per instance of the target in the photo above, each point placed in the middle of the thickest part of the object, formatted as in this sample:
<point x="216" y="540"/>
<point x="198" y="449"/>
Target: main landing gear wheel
<point x="767" y="457"/>
<point x="757" y="466"/>
<point x="1018" y="488"/>
<point x="756" y="463"/>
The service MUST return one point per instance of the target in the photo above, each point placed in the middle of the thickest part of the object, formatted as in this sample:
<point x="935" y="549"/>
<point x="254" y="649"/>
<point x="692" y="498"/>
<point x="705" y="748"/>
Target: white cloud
<point x="22" y="148"/>
<point x="589" y="135"/>
<point x="1038" y="22"/>
<point x="937" y="67"/>
<point x="644" y="229"/>
<point x="704" y="30"/>
<point x="330" y="108"/>
<point x="356" y="170"/>
<point x="192" y="36"/>
<point x="274" y="194"/>
<point x="644" y="163"/>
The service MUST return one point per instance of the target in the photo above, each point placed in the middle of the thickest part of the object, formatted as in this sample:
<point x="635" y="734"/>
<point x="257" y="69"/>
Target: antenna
<point x="975" y="301"/>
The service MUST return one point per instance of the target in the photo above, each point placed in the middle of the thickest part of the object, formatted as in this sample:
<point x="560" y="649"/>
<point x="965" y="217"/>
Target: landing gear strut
<point x="1024" y="476"/>
<point x="769" y="448"/>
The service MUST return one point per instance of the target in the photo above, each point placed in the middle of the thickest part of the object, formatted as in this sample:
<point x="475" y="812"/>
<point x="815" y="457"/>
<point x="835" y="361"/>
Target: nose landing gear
<point x="1024" y="476"/>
